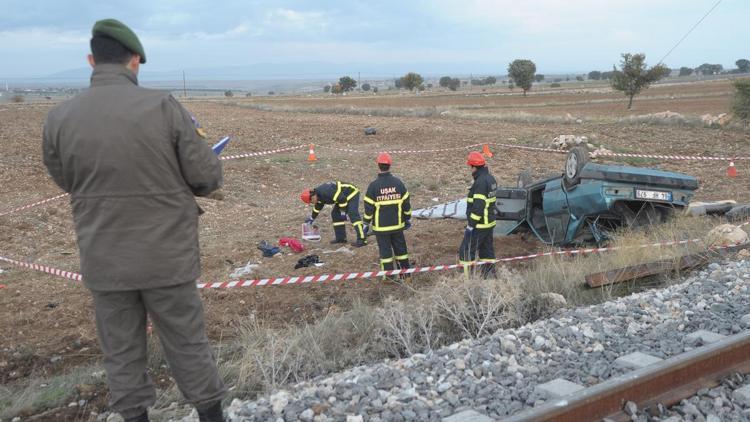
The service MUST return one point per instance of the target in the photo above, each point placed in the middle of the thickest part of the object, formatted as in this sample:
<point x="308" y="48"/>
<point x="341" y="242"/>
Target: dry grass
<point x="37" y="394"/>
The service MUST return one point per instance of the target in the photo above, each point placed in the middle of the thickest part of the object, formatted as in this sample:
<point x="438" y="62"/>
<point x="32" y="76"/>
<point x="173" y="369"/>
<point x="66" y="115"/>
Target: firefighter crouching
<point x="388" y="214"/>
<point x="345" y="200"/>
<point x="480" y="212"/>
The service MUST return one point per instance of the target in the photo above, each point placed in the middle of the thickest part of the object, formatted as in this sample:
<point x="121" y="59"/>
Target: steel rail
<point x="666" y="382"/>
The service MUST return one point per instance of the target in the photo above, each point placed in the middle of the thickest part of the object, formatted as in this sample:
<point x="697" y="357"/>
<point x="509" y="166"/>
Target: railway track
<point x="665" y="383"/>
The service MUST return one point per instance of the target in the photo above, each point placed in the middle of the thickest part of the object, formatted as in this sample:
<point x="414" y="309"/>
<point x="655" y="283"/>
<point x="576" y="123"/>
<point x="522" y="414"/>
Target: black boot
<point x="336" y="241"/>
<point x="359" y="243"/>
<point x="212" y="413"/>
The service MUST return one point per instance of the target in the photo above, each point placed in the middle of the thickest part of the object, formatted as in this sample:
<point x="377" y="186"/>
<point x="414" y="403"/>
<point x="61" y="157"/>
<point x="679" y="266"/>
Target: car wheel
<point x="577" y="158"/>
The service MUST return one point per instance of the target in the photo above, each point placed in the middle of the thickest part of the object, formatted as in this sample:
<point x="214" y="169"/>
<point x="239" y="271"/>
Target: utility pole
<point x="184" y="85"/>
<point x="359" y="87"/>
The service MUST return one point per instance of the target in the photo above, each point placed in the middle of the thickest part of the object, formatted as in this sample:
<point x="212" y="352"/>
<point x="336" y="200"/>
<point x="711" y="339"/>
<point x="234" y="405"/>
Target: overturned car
<point x="584" y="203"/>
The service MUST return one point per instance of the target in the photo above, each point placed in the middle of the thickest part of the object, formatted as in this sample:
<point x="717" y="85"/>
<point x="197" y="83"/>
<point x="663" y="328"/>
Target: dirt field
<point x="43" y="317"/>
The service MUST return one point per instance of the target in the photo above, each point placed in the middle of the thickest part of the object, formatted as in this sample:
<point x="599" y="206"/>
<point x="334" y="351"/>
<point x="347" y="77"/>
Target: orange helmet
<point x="475" y="159"/>
<point x="305" y="196"/>
<point x="384" y="158"/>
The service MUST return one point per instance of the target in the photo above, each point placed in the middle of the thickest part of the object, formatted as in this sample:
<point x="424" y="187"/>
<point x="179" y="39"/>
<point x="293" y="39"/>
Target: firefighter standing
<point x="480" y="212"/>
<point x="345" y="200"/>
<point x="388" y="214"/>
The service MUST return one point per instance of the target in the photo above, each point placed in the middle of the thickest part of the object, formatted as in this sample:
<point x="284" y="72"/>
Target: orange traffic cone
<point x="731" y="170"/>
<point x="486" y="150"/>
<point x="311" y="157"/>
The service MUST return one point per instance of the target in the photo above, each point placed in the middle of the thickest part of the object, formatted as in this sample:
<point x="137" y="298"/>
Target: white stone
<point x="636" y="360"/>
<point x="742" y="395"/>
<point x="354" y="418"/>
<point x="557" y="388"/>
<point x="701" y="337"/>
<point x="279" y="401"/>
<point x="467" y="416"/>
<point x="726" y="234"/>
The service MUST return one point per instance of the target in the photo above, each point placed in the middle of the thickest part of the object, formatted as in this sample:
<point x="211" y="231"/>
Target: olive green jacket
<point x="131" y="160"/>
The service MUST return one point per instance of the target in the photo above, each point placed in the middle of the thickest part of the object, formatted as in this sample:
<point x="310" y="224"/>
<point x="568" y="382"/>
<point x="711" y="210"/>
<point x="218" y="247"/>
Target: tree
<point x="686" y="71"/>
<point x="327" y="89"/>
<point x="741" y="106"/>
<point x="398" y="83"/>
<point x="538" y="77"/>
<point x="595" y="75"/>
<point x="249" y="94"/>
<point x="228" y="94"/>
<point x="607" y="75"/>
<point x="347" y="83"/>
<point x="429" y="85"/>
<point x="445" y="81"/>
<point x="511" y="85"/>
<point x="337" y="89"/>
<point x="522" y="71"/>
<point x="709" y="69"/>
<point x="634" y="76"/>
<point x="375" y="89"/>
<point x="271" y="93"/>
<point x="365" y="86"/>
<point x="454" y="84"/>
<point x="411" y="80"/>
<point x="490" y="80"/>
<point x="579" y="78"/>
<point x="743" y="65"/>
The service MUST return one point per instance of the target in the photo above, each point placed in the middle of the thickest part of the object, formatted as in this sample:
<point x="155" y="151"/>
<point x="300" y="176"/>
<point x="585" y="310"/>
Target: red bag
<point x="293" y="243"/>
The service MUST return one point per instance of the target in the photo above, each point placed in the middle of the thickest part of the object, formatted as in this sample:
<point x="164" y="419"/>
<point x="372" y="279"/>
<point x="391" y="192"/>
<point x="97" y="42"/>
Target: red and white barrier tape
<point x="43" y="268"/>
<point x="25" y="207"/>
<point x="401" y="151"/>
<point x="528" y="148"/>
<point x="259" y="153"/>
<point x="281" y="281"/>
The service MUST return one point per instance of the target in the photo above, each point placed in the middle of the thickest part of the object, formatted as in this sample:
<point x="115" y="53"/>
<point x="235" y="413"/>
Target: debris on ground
<point x="567" y="141"/>
<point x="370" y="131"/>
<point x="342" y="249"/>
<point x="739" y="213"/>
<point x="310" y="232"/>
<point x="268" y="249"/>
<point x="726" y="234"/>
<point x="243" y="271"/>
<point x="709" y="208"/>
<point x="719" y="120"/>
<point x="292" y="243"/>
<point x="308" y="261"/>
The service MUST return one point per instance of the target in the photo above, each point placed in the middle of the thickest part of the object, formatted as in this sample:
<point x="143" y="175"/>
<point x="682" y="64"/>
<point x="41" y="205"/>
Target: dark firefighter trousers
<point x="177" y="314"/>
<point x="338" y="216"/>
<point x="478" y="242"/>
<point x="392" y="248"/>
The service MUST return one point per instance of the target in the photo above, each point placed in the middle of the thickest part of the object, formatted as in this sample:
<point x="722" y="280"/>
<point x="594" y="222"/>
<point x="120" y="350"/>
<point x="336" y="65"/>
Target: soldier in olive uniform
<point x="132" y="162"/>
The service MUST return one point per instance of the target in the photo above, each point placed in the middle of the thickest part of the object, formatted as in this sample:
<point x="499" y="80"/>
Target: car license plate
<point x="653" y="195"/>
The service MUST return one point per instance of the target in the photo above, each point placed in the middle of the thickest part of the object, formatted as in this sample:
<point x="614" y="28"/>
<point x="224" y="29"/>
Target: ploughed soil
<point x="44" y="317"/>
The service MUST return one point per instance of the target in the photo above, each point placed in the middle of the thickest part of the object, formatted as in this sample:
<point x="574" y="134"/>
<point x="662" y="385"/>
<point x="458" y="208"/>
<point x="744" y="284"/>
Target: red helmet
<point x="475" y="159"/>
<point x="305" y="196"/>
<point x="384" y="158"/>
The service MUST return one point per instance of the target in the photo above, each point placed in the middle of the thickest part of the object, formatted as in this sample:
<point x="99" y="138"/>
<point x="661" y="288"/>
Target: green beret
<point x="120" y="32"/>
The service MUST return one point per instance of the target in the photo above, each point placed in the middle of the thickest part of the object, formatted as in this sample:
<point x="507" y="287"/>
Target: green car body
<point x="602" y="197"/>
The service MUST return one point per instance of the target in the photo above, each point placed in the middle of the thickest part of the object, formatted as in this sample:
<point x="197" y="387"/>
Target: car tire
<point x="577" y="158"/>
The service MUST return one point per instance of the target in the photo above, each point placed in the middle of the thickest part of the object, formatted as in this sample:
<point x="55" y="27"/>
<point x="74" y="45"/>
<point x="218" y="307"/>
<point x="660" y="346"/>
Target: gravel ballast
<point x="498" y="376"/>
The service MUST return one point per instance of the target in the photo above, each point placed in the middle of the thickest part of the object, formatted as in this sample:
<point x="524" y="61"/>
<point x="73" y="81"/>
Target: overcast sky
<point x="41" y="37"/>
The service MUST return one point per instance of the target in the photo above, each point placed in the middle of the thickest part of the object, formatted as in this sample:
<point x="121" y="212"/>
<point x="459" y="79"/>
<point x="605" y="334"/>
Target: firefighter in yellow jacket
<point x="388" y="214"/>
<point x="345" y="200"/>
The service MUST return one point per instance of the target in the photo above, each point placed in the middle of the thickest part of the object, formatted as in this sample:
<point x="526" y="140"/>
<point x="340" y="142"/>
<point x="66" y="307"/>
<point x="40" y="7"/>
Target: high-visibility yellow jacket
<point x="387" y="206"/>
<point x="480" y="207"/>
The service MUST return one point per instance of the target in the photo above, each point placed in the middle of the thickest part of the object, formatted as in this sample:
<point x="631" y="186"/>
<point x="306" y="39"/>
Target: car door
<point x="556" y="211"/>
<point x="510" y="209"/>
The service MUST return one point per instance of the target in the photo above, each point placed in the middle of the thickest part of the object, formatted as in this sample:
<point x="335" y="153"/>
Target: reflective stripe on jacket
<point x="333" y="193"/>
<point x="387" y="205"/>
<point x="480" y="210"/>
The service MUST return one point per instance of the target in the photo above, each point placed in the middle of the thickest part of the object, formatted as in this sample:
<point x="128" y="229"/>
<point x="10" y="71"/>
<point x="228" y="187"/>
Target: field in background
<point x="42" y="317"/>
